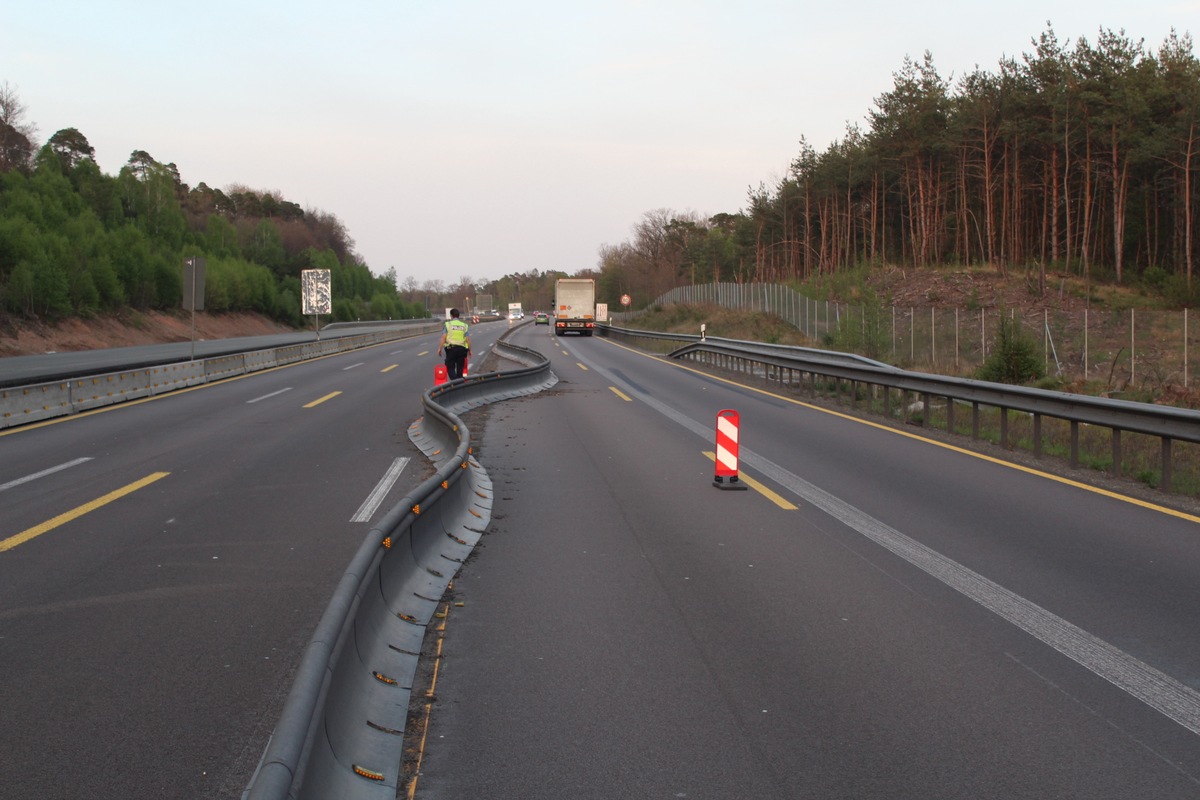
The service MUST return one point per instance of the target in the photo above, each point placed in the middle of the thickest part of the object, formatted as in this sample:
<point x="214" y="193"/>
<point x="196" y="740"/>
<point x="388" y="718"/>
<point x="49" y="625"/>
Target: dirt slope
<point x="128" y="329"/>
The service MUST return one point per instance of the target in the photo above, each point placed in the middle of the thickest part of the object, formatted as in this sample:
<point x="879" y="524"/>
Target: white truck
<point x="575" y="306"/>
<point x="515" y="312"/>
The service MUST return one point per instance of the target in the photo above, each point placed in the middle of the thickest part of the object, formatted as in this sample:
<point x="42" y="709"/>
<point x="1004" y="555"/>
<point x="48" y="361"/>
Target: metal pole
<point x="193" y="262"/>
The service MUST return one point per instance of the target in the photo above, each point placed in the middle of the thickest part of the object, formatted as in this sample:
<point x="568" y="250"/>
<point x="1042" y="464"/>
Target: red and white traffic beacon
<point x="726" y="475"/>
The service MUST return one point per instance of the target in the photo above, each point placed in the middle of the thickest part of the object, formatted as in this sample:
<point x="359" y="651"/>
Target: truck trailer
<point x="574" y="306"/>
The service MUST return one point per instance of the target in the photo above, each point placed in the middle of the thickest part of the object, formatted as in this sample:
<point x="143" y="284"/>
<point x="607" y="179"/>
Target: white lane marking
<point x="1156" y="689"/>
<point x="44" y="473"/>
<point x="272" y="394"/>
<point x="352" y="366"/>
<point x="367" y="509"/>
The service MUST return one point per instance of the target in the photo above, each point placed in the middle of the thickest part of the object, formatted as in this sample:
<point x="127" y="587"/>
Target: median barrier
<point x="33" y="403"/>
<point x="170" y="377"/>
<point x="340" y="733"/>
<point x="105" y="390"/>
<point x="224" y="367"/>
<point x="260" y="360"/>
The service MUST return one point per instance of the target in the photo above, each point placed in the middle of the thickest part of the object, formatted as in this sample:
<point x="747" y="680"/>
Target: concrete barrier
<point x="224" y="367"/>
<point x="24" y="404"/>
<point x="105" y="390"/>
<point x="176" y="376"/>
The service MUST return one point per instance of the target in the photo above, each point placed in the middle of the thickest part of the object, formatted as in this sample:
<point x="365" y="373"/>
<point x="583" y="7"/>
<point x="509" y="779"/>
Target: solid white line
<point x="367" y="509"/>
<point x="43" y="473"/>
<point x="265" y="396"/>
<point x="1160" y="691"/>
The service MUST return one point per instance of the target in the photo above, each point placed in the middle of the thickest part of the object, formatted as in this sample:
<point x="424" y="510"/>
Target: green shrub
<point x="1013" y="358"/>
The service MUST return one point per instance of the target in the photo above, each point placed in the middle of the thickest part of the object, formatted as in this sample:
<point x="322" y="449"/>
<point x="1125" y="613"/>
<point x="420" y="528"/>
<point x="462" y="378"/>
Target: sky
<point x="480" y="139"/>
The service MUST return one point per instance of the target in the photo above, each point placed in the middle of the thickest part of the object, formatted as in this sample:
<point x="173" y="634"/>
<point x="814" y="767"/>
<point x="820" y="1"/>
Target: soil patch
<point x="127" y="329"/>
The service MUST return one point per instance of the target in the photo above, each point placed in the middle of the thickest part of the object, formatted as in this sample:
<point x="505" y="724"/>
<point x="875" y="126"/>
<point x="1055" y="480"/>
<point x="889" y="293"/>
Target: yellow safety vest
<point x="456" y="332"/>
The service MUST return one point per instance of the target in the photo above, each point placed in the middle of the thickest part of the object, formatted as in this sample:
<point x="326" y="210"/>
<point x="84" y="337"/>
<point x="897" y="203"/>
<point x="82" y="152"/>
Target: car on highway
<point x="541" y="318"/>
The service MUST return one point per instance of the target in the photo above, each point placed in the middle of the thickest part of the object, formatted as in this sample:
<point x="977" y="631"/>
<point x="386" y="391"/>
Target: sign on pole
<point x="193" y="284"/>
<point x="193" y="292"/>
<point x="316" y="293"/>
<point x="314" y="286"/>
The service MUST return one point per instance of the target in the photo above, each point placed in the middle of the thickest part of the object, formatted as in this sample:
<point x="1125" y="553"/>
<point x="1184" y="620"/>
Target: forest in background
<point x="1076" y="160"/>
<point x="77" y="242"/>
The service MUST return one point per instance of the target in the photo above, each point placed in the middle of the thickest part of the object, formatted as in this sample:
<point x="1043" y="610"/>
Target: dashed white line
<point x="44" y="473"/>
<point x="367" y="509"/>
<point x="272" y="394"/>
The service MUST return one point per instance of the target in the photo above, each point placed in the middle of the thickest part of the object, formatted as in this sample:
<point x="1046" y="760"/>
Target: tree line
<point x="75" y="241"/>
<point x="1079" y="159"/>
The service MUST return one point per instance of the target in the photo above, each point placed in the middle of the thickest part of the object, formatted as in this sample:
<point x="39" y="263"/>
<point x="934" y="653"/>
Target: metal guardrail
<point x="341" y="731"/>
<point x="788" y="364"/>
<point x="20" y="405"/>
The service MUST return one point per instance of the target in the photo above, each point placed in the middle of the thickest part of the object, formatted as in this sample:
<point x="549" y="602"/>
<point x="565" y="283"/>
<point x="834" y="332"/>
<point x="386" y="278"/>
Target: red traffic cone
<point x="439" y="375"/>
<point x="465" y="360"/>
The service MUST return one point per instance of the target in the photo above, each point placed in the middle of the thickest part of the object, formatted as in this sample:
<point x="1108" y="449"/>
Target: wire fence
<point x="1121" y="349"/>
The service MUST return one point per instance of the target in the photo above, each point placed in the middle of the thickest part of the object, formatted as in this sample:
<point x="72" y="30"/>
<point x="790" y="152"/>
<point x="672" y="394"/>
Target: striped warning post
<point x="728" y="422"/>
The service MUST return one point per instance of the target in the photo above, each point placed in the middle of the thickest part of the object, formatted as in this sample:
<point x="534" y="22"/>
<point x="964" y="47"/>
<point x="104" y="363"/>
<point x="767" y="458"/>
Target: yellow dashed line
<point x="945" y="446"/>
<point x="758" y="487"/>
<point x="62" y="519"/>
<point x="320" y="400"/>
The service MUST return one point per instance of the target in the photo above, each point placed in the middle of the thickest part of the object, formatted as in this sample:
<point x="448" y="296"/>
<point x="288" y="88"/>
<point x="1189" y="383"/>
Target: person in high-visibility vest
<point x="456" y="343"/>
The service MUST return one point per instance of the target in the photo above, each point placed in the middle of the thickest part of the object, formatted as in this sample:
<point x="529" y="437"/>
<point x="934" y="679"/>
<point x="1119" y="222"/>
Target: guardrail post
<point x="1116" y="452"/>
<point x="1166" y="465"/>
<point x="1074" y="443"/>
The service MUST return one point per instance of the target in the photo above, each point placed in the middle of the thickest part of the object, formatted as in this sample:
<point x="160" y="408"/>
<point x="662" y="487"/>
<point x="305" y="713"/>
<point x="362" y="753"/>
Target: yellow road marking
<point x="423" y="353"/>
<point x="758" y="487"/>
<point x="320" y="400"/>
<point x="62" y="519"/>
<point x="621" y="394"/>
<point x="991" y="459"/>
<point x="581" y="366"/>
<point x="389" y="369"/>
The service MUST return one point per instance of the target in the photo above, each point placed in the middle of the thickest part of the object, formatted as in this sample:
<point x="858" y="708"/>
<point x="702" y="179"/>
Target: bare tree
<point x="16" y="134"/>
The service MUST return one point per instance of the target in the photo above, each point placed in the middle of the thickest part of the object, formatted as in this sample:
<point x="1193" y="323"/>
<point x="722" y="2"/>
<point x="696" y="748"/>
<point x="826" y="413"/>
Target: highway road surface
<point x="878" y="616"/>
<point x="163" y="563"/>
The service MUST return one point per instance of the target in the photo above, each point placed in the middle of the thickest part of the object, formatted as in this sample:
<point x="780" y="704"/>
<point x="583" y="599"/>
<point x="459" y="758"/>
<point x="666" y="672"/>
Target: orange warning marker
<point x="440" y="375"/>
<point x="728" y="422"/>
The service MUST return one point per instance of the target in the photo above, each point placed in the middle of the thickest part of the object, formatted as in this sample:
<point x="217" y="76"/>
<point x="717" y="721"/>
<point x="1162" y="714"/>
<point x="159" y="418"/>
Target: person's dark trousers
<point x="455" y="356"/>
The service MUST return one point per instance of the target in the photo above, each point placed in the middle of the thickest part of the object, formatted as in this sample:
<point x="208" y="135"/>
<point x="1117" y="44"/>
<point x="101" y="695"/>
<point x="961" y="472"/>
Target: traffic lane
<point x="1120" y="570"/>
<point x="192" y="603"/>
<point x="252" y="422"/>
<point x="676" y="633"/>
<point x="24" y="370"/>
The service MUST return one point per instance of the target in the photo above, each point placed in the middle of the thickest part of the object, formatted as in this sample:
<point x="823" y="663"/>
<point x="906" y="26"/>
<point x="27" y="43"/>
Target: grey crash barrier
<point x="341" y="731"/>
